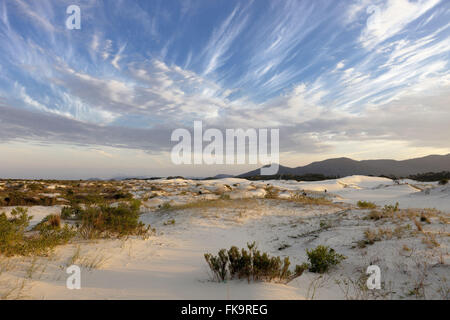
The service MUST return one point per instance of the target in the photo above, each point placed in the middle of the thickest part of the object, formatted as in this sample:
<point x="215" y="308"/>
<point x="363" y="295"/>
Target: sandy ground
<point x="170" y="264"/>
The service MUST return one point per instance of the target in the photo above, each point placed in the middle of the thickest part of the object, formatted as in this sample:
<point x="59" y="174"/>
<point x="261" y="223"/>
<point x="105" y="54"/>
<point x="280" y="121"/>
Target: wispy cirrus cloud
<point x="387" y="19"/>
<point x="222" y="38"/>
<point x="327" y="74"/>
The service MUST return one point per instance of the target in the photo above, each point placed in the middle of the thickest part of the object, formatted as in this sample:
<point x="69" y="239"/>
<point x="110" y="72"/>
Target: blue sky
<point x="362" y="79"/>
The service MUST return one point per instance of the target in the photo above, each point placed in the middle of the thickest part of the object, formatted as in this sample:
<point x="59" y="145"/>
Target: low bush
<point x="300" y="198"/>
<point x="387" y="209"/>
<point x="72" y="212"/>
<point x="375" y="215"/>
<point x="51" y="221"/>
<point x="12" y="230"/>
<point x="18" y="198"/>
<point x="443" y="182"/>
<point x="322" y="258"/>
<point x="366" y="205"/>
<point x="108" y="221"/>
<point x="218" y="264"/>
<point x="15" y="240"/>
<point x="251" y="264"/>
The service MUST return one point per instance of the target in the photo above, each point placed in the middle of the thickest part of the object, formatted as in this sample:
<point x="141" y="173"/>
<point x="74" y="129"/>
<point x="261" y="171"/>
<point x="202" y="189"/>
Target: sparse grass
<point x="32" y="268"/>
<point x="89" y="262"/>
<point x="13" y="291"/>
<point x="325" y="224"/>
<point x="93" y="262"/>
<point x="300" y="198"/>
<point x="430" y="240"/>
<point x="418" y="289"/>
<point x="371" y="236"/>
<point x="418" y="225"/>
<point x="225" y="196"/>
<point x="217" y="203"/>
<point x="6" y="265"/>
<point x="355" y="288"/>
<point x="75" y="257"/>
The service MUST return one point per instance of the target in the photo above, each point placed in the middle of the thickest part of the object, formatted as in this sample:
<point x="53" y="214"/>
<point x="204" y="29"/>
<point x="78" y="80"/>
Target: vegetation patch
<point x="372" y="236"/>
<point x="101" y="221"/>
<point x="107" y="221"/>
<point x="366" y="205"/>
<point x="322" y="258"/>
<point x="250" y="264"/>
<point x="300" y="198"/>
<point x="431" y="176"/>
<point x="15" y="240"/>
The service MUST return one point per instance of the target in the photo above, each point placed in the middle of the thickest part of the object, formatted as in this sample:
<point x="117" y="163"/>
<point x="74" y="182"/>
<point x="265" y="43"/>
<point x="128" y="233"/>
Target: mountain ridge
<point x="344" y="166"/>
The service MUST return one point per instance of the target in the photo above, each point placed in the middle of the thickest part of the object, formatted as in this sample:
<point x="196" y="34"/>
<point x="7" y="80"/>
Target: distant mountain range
<point x="346" y="167"/>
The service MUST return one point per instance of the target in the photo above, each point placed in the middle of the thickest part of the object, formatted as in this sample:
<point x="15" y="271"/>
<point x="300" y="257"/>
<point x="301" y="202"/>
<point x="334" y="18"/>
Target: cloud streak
<point x="325" y="74"/>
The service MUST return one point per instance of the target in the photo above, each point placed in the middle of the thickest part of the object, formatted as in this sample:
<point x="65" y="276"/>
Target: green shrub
<point x="107" y="221"/>
<point x="322" y="258"/>
<point x="240" y="263"/>
<point x="366" y="205"/>
<point x="218" y="265"/>
<point x="14" y="239"/>
<point x="71" y="213"/>
<point x="250" y="264"/>
<point x="12" y="230"/>
<point x="49" y="238"/>
<point x="443" y="182"/>
<point x="299" y="269"/>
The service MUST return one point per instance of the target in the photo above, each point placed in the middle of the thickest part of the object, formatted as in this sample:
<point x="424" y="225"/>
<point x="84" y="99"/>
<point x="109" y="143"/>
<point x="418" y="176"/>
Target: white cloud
<point x="386" y="20"/>
<point x="222" y="38"/>
<point x="340" y="65"/>
<point x="117" y="57"/>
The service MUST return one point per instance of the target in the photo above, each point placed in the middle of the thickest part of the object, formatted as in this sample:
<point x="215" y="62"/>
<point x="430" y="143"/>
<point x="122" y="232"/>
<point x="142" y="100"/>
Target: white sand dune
<point x="170" y="265"/>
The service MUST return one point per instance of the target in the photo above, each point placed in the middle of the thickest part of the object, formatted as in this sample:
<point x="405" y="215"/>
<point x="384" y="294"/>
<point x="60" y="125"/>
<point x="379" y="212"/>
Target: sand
<point x="170" y="264"/>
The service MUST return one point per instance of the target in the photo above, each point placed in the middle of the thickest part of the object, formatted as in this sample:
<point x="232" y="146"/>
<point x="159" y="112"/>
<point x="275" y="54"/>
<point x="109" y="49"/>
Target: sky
<point x="359" y="79"/>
